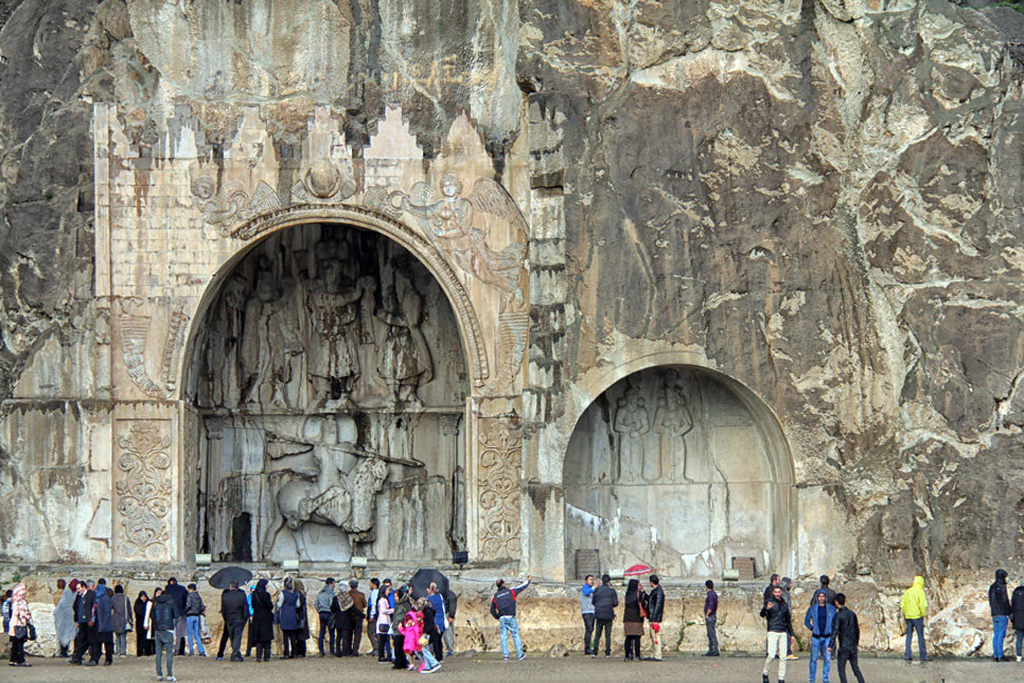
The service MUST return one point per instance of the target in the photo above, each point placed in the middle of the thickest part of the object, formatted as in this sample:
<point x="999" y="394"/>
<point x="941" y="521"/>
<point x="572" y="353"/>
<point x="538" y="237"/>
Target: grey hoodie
<point x="323" y="598"/>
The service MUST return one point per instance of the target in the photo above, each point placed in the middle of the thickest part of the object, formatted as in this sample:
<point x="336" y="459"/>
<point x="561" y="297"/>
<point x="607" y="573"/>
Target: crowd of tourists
<point x="93" y="622"/>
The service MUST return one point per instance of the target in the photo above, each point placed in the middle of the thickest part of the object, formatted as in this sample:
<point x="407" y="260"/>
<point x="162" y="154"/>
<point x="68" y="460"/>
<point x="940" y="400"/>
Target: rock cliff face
<point x="822" y="200"/>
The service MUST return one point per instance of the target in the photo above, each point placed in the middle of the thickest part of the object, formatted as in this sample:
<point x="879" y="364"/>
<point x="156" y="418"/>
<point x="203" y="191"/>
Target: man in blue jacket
<point x="821" y="616"/>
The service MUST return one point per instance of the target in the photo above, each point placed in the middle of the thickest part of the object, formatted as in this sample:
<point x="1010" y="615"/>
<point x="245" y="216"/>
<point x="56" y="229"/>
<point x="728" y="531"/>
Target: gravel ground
<point x="473" y="668"/>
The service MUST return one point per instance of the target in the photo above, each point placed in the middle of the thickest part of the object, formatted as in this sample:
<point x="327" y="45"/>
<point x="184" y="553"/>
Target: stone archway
<point x="680" y="467"/>
<point x="329" y="403"/>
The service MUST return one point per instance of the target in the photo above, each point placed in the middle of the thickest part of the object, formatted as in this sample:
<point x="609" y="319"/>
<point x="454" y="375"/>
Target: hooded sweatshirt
<point x="914" y="604"/>
<point x="997" y="598"/>
<point x="324" y="598"/>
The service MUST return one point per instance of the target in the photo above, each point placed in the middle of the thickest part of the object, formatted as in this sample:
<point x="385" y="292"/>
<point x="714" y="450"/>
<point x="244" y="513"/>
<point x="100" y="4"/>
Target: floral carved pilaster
<point x="501" y="447"/>
<point x="144" y="490"/>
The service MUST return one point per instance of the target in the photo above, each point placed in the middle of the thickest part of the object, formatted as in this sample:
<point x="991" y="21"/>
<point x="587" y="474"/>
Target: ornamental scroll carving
<point x="134" y="333"/>
<point x="144" y="489"/>
<point x="500" y="455"/>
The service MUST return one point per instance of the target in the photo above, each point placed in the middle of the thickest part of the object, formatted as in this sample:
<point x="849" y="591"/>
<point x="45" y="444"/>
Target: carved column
<point x="496" y="485"/>
<point x="144" y="491"/>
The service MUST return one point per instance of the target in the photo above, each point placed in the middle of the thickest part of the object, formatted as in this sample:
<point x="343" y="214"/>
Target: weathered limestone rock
<point x="815" y="205"/>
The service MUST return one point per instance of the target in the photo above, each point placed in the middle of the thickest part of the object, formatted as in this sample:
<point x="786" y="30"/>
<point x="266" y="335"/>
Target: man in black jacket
<point x="780" y="631"/>
<point x="236" y="612"/>
<point x="83" y="617"/>
<point x="999" y="603"/>
<point x="165" y="617"/>
<point x="656" y="610"/>
<point x="180" y="596"/>
<point x="846" y="634"/>
<point x="605" y="602"/>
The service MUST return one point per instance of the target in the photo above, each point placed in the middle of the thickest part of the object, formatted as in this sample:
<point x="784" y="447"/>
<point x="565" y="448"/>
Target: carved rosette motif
<point x="500" y="455"/>
<point x="144" y="490"/>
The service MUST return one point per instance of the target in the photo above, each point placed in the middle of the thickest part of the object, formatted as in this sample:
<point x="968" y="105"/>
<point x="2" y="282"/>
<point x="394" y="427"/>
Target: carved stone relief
<point x="135" y="331"/>
<point x="501" y="448"/>
<point x="329" y="318"/>
<point x="144" y="490"/>
<point x="223" y="206"/>
<point x="668" y="467"/>
<point x="323" y="324"/>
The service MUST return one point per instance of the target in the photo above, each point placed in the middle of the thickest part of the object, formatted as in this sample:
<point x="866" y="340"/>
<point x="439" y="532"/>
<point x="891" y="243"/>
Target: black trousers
<point x="401" y="661"/>
<point x="82" y="641"/>
<point x="437" y="644"/>
<point x="234" y="630"/>
<point x="851" y="657"/>
<point x="357" y="632"/>
<point x="103" y="642"/>
<point x="632" y="647"/>
<point x="588" y="632"/>
<point x="17" y="650"/>
<point x="606" y="626"/>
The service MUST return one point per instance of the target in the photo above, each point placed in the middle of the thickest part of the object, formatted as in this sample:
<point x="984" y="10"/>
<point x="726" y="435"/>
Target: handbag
<point x="424" y="641"/>
<point x="31" y="631"/>
<point x="204" y="631"/>
<point x="21" y="632"/>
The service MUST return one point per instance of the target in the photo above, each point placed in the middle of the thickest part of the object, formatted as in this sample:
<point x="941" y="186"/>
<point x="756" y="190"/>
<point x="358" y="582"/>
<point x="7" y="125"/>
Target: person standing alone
<point x="846" y="636"/>
<point x="587" y="611"/>
<point x="999" y="603"/>
<point x="820" y="620"/>
<point x="711" y="618"/>
<point x="503" y="608"/>
<point x="605" y="602"/>
<point x="914" y="606"/>
<point x="780" y="631"/>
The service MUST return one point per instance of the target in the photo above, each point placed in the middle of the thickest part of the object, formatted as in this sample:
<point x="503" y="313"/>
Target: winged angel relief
<point x="453" y="223"/>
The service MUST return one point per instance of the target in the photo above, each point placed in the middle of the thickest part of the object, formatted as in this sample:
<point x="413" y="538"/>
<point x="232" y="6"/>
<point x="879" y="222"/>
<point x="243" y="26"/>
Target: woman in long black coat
<point x="633" y="620"/>
<point x="144" y="646"/>
<point x="262" y="626"/>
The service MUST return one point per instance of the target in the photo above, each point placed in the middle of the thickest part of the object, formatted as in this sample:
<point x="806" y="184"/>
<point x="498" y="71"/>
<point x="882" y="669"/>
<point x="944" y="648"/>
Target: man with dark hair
<point x="780" y="630"/>
<point x="323" y="609"/>
<point x="83" y="617"/>
<point x="820" y="621"/>
<point x="103" y="625"/>
<point x="371" y="613"/>
<point x="605" y="602"/>
<point x="180" y="596"/>
<point x="999" y="603"/>
<point x="830" y="595"/>
<point x="236" y="612"/>
<point x="503" y="608"/>
<point x="655" y="613"/>
<point x="711" y="618"/>
<point x="772" y="583"/>
<point x="846" y="635"/>
<point x="587" y="611"/>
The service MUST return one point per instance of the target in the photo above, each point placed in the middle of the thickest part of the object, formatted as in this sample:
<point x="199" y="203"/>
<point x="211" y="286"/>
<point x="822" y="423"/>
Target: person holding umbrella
<point x="633" y="619"/>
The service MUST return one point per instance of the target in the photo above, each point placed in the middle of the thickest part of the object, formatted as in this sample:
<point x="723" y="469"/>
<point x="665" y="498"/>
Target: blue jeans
<point x="428" y="656"/>
<point x="510" y="625"/>
<point x="1020" y="641"/>
<point x="192" y="626"/>
<point x="819" y="648"/>
<point x="998" y="635"/>
<point x="915" y="625"/>
<point x="164" y="644"/>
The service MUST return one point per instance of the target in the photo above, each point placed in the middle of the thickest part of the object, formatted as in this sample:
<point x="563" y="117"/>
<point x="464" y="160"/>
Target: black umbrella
<point x="423" y="578"/>
<point x="224" y="577"/>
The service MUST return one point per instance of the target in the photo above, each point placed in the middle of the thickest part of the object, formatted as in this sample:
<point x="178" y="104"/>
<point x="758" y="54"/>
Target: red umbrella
<point x="638" y="570"/>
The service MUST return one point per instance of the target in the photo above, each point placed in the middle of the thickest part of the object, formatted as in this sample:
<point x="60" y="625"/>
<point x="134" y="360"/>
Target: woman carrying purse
<point x="21" y="620"/>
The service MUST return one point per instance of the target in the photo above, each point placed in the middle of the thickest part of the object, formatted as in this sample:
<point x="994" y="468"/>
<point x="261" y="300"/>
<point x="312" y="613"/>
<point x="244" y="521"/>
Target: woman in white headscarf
<point x="21" y="617"/>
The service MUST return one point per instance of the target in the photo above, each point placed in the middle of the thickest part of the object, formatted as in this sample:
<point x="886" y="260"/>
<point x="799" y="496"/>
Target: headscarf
<point x="19" y="592"/>
<point x="261" y="585"/>
<point x="73" y="585"/>
<point x="64" y="616"/>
